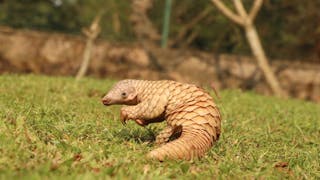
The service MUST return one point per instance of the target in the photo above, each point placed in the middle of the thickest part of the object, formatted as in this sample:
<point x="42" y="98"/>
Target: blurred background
<point x="133" y="39"/>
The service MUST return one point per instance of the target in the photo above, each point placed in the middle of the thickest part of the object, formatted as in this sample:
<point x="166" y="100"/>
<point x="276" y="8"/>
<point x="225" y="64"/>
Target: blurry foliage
<point x="288" y="28"/>
<point x="68" y="16"/>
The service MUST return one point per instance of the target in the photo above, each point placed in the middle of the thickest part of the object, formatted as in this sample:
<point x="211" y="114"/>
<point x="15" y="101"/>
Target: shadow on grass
<point x="137" y="135"/>
<point x="147" y="134"/>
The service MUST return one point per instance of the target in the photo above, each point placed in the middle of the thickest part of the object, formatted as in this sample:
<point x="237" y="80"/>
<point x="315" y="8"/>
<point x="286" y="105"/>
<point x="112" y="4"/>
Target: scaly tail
<point x="194" y="141"/>
<point x="199" y="121"/>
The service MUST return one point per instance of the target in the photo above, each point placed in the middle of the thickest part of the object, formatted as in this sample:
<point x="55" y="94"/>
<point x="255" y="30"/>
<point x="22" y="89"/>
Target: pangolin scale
<point x="188" y="110"/>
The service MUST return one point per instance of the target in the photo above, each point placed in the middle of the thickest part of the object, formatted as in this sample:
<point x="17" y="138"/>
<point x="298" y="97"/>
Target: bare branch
<point x="227" y="12"/>
<point x="91" y="33"/>
<point x="241" y="10"/>
<point x="184" y="30"/>
<point x="255" y="9"/>
<point x="190" y="39"/>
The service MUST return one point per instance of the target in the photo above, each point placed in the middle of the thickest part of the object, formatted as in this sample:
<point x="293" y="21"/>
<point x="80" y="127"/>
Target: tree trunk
<point x="142" y="25"/>
<point x="256" y="47"/>
<point x="91" y="33"/>
<point x="245" y="20"/>
<point x="86" y="59"/>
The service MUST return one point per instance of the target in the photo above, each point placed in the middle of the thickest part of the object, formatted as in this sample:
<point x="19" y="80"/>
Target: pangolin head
<point x="123" y="92"/>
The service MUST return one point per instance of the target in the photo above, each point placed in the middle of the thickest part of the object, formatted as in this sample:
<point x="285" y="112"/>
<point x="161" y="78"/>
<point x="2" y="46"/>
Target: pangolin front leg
<point x="142" y="116"/>
<point x="145" y="112"/>
<point x="143" y="122"/>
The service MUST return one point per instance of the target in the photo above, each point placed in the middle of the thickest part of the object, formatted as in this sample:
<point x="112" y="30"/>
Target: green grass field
<point x="52" y="127"/>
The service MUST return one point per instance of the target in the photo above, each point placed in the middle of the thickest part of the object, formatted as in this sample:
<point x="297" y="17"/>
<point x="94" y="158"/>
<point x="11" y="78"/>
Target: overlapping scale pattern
<point x="192" y="110"/>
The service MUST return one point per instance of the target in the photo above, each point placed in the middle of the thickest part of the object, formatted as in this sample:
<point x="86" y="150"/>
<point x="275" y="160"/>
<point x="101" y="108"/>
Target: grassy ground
<point x="53" y="128"/>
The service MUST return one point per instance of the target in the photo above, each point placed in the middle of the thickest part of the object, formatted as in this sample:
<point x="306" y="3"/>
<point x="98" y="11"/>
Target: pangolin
<point x="189" y="111"/>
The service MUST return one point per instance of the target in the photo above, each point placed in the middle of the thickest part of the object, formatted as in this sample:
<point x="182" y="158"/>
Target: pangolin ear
<point x="133" y="94"/>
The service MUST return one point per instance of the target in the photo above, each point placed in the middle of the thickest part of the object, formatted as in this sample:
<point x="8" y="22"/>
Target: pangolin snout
<point x="106" y="101"/>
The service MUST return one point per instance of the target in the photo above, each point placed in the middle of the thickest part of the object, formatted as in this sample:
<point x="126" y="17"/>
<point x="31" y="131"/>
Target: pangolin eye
<point x="124" y="94"/>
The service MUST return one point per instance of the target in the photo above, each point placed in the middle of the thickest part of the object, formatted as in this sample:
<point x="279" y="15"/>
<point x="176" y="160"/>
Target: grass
<point x="51" y="127"/>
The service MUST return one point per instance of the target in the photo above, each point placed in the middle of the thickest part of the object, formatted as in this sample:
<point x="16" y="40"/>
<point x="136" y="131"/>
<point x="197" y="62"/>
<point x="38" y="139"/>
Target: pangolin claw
<point x="141" y="122"/>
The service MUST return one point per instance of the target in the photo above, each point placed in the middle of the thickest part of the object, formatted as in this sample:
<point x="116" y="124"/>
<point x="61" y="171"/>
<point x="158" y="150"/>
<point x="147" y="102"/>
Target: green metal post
<point x="166" y="23"/>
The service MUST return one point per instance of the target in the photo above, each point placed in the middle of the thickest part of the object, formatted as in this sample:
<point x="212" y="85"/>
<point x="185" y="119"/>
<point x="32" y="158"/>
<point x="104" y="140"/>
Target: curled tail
<point x="194" y="142"/>
<point x="200" y="123"/>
